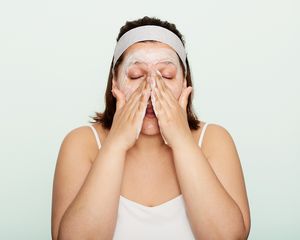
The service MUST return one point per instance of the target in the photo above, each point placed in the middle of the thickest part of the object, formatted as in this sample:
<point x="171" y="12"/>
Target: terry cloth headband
<point x="150" y="32"/>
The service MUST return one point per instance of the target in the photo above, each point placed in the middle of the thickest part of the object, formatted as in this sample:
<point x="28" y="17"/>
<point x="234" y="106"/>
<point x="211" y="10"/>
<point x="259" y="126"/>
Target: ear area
<point x="184" y="83"/>
<point x="114" y="82"/>
<point x="114" y="86"/>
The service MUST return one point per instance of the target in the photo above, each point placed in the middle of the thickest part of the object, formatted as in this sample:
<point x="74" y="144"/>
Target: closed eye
<point x="133" y="78"/>
<point x="136" y="77"/>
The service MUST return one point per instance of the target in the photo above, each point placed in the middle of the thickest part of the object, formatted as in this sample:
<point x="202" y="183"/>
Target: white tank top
<point x="166" y="221"/>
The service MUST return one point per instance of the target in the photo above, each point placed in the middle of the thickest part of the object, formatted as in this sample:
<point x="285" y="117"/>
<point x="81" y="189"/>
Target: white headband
<point x="150" y="32"/>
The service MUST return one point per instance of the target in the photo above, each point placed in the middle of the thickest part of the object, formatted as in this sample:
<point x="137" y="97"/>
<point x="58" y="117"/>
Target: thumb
<point x="183" y="99"/>
<point x="119" y="96"/>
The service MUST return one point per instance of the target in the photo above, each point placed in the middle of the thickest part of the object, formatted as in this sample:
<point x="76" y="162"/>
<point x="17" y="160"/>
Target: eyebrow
<point x="162" y="62"/>
<point x="166" y="62"/>
<point x="136" y="62"/>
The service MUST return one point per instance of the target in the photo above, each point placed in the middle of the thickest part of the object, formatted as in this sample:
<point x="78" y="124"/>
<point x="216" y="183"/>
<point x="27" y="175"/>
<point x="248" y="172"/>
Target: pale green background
<point x="55" y="57"/>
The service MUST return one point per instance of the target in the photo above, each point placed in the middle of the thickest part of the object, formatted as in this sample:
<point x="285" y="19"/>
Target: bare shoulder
<point x="217" y="139"/>
<point x="214" y="136"/>
<point x="72" y="166"/>
<point x="225" y="162"/>
<point x="77" y="133"/>
<point x="78" y="139"/>
<point x="83" y="139"/>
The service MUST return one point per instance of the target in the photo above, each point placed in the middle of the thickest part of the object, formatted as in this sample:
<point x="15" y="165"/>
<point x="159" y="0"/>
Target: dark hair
<point x="106" y="117"/>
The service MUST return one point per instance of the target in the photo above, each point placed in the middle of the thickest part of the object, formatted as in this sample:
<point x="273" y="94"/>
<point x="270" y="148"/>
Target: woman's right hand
<point x="128" y="117"/>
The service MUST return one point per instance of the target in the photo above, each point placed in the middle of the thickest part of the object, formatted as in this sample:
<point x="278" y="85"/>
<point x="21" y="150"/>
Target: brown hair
<point x="106" y="117"/>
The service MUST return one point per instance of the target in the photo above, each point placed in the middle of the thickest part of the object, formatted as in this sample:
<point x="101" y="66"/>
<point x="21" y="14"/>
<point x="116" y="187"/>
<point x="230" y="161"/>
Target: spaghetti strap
<point x="202" y="134"/>
<point x="96" y="135"/>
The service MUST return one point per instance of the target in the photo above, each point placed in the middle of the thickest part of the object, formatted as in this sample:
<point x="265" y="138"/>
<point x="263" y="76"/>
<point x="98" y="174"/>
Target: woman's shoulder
<point x="217" y="132"/>
<point x="80" y="133"/>
<point x="217" y="138"/>
<point x="82" y="137"/>
<point x="84" y="132"/>
<point x="216" y="128"/>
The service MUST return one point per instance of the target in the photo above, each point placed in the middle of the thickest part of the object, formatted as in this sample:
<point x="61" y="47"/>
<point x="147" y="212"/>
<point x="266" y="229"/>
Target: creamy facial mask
<point x="148" y="58"/>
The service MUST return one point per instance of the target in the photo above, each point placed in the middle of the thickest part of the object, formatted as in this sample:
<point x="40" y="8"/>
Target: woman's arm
<point x="213" y="187"/>
<point x="86" y="195"/>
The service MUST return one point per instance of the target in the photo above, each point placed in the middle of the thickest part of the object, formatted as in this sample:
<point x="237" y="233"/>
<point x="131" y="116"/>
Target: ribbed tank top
<point x="166" y="221"/>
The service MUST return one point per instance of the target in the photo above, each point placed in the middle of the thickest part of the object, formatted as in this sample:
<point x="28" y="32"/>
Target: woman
<point x="147" y="168"/>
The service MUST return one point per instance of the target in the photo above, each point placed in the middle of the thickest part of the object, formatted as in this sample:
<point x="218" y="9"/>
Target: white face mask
<point x="143" y="63"/>
<point x="149" y="59"/>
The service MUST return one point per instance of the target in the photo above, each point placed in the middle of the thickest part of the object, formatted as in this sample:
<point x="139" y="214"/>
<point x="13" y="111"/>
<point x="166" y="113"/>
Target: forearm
<point x="212" y="212"/>
<point x="93" y="213"/>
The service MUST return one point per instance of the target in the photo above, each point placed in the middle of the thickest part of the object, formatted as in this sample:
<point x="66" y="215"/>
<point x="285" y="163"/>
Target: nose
<point x="151" y="77"/>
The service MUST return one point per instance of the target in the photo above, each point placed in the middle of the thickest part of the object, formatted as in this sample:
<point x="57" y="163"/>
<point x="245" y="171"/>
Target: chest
<point x="151" y="180"/>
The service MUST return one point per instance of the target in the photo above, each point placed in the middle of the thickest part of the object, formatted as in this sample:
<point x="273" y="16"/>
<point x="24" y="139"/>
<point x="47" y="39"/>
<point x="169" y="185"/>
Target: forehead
<point x="150" y="53"/>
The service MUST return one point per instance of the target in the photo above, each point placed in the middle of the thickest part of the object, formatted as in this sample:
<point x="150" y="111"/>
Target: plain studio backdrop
<point x="55" y="58"/>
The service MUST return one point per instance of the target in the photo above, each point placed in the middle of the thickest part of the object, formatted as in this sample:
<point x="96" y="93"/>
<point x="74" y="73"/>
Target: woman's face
<point x="140" y="62"/>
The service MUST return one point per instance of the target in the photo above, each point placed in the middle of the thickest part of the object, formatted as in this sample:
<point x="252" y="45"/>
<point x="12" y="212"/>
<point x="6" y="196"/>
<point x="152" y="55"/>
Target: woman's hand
<point x="129" y="116"/>
<point x="171" y="113"/>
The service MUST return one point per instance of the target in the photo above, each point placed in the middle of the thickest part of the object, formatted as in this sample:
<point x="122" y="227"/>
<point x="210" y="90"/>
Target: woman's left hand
<point x="171" y="113"/>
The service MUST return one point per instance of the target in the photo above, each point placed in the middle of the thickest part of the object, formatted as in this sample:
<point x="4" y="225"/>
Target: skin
<point x="210" y="178"/>
<point x="142" y="63"/>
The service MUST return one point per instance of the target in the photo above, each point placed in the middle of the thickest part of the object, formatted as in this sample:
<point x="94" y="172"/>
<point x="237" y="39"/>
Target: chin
<point x="150" y="126"/>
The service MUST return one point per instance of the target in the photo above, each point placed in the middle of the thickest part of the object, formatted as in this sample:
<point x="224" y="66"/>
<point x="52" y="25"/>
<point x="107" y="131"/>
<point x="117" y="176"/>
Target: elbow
<point x="63" y="234"/>
<point x="69" y="231"/>
<point x="240" y="234"/>
<point x="234" y="234"/>
<point x="242" y="229"/>
<point x="246" y="232"/>
<point x="66" y="233"/>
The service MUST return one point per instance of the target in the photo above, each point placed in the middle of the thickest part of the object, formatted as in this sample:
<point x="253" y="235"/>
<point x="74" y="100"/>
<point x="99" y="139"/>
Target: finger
<point x="184" y="83"/>
<point x="165" y="91"/>
<point x="140" y="112"/>
<point x="183" y="99"/>
<point x="155" y="103"/>
<point x="135" y="93"/>
<point x="120" y="98"/>
<point x="145" y="98"/>
<point x="137" y="105"/>
<point x="166" y="88"/>
<point x="163" y="85"/>
<point x="161" y="105"/>
<point x="162" y="108"/>
<point x="135" y="97"/>
<point x="159" y="81"/>
<point x="184" y="87"/>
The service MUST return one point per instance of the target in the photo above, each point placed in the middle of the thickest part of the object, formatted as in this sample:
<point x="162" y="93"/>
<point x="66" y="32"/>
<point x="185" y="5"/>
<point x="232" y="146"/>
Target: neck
<point x="149" y="144"/>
